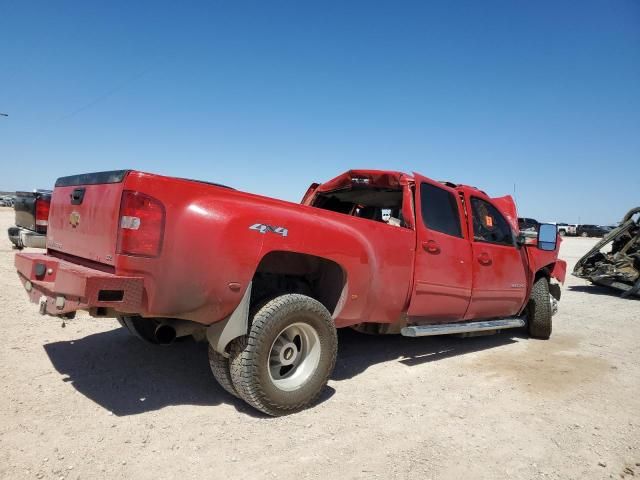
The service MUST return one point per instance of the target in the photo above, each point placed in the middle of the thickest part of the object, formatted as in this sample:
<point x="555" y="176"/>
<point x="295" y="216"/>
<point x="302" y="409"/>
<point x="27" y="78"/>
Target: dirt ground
<point x="89" y="401"/>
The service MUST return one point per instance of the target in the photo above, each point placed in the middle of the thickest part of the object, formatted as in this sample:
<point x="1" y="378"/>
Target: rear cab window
<point x="366" y="200"/>
<point x="489" y="225"/>
<point x="439" y="209"/>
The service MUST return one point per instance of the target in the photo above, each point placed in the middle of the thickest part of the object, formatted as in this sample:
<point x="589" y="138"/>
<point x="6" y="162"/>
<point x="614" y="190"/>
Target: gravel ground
<point x="89" y="401"/>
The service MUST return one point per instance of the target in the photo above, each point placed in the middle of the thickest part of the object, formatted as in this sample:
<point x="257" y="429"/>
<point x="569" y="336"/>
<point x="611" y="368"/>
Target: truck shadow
<point x="128" y="377"/>
<point x="359" y="351"/>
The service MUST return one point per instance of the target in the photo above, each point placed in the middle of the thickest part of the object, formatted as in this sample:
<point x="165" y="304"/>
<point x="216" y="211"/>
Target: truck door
<point x="499" y="266"/>
<point x="442" y="278"/>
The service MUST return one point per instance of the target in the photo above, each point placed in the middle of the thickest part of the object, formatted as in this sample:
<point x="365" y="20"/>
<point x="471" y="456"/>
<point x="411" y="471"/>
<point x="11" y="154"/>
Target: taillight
<point x="141" y="225"/>
<point x="42" y="215"/>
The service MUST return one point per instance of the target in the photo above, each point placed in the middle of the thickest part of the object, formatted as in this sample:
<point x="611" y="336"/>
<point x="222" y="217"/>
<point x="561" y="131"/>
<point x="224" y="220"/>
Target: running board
<point x="449" y="328"/>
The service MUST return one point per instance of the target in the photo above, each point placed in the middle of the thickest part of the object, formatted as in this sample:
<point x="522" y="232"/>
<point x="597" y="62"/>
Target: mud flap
<point x="220" y="334"/>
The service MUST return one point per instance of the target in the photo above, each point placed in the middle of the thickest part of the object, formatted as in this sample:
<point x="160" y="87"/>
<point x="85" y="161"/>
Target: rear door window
<point x="440" y="210"/>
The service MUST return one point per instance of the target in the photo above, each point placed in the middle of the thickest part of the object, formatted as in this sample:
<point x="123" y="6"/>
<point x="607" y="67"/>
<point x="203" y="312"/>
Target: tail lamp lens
<point x="42" y="215"/>
<point x="141" y="225"/>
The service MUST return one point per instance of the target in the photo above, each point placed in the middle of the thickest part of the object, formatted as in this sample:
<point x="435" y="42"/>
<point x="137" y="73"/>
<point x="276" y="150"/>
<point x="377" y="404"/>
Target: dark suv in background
<point x="528" y="224"/>
<point x="591" y="231"/>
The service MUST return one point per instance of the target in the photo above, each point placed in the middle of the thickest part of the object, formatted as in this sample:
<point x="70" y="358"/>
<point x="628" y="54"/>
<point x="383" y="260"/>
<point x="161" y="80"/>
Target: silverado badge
<point x="74" y="219"/>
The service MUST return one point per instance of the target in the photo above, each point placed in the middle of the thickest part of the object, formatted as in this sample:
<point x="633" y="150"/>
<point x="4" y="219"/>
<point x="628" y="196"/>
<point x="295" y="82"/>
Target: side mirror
<point x="547" y="237"/>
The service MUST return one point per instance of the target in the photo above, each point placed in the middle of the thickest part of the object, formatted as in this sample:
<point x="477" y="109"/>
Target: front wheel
<point x="285" y="361"/>
<point x="539" y="311"/>
<point x="584" y="234"/>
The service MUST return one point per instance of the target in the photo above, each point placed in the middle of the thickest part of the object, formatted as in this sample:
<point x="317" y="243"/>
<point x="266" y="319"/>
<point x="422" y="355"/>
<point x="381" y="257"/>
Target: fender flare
<point x="221" y="333"/>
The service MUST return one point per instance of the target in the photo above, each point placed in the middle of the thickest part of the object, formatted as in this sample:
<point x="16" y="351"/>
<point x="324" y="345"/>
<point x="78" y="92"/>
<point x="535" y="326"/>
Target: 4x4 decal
<point x="262" y="228"/>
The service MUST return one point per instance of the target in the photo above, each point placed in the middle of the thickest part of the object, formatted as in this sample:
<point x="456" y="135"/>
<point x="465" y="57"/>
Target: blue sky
<point x="269" y="96"/>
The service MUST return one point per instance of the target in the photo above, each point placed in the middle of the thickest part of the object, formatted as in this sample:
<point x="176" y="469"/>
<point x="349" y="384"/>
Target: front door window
<point x="489" y="225"/>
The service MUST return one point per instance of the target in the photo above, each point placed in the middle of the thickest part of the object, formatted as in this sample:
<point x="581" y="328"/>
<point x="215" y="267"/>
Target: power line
<point x="107" y="94"/>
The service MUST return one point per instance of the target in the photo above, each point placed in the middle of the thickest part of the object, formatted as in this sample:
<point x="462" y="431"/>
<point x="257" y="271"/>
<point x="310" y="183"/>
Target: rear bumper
<point x="62" y="287"/>
<point x="21" y="237"/>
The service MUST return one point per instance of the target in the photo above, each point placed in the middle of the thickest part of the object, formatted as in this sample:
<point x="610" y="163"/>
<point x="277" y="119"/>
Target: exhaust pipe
<point x="165" y="334"/>
<point x="167" y="331"/>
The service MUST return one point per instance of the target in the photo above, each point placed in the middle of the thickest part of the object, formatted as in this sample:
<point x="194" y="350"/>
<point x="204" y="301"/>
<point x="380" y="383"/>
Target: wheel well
<point x="543" y="272"/>
<point x="288" y="272"/>
<point x="554" y="287"/>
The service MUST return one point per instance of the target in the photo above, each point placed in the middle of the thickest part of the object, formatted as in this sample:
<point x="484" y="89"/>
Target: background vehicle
<point x="32" y="215"/>
<point x="565" y="229"/>
<point x="591" y="231"/>
<point x="284" y="276"/>
<point x="6" y="201"/>
<point x="530" y="224"/>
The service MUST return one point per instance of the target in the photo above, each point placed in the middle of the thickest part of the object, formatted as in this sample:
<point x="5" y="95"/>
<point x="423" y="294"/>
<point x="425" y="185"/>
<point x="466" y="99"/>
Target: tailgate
<point x="25" y="208"/>
<point x="84" y="215"/>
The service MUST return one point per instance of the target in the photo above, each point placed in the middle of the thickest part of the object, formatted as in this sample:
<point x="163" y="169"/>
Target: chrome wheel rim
<point x="294" y="356"/>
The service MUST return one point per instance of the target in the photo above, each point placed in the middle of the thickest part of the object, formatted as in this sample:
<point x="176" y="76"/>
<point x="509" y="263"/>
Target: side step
<point x="463" y="327"/>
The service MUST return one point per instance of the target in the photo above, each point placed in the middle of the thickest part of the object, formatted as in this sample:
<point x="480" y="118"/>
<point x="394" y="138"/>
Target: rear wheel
<point x="539" y="310"/>
<point x="585" y="234"/>
<point x="285" y="361"/>
<point x="220" y="368"/>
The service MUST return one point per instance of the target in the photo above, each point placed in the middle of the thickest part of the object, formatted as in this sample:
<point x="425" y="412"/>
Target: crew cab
<point x="267" y="282"/>
<point x="32" y="213"/>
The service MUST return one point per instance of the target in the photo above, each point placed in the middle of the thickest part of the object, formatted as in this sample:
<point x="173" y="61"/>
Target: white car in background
<point x="6" y="201"/>
<point x="565" y="229"/>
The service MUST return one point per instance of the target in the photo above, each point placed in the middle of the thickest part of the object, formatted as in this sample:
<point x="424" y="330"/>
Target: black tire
<point x="539" y="310"/>
<point x="220" y="368"/>
<point x="251" y="365"/>
<point x="584" y="235"/>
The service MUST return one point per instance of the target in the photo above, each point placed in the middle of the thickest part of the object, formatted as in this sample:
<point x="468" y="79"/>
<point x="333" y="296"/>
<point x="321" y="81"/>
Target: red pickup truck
<point x="267" y="282"/>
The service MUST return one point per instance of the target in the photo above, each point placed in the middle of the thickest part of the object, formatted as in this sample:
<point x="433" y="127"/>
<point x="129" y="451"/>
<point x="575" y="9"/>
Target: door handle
<point x="431" y="247"/>
<point x="484" y="258"/>
<point x="77" y="195"/>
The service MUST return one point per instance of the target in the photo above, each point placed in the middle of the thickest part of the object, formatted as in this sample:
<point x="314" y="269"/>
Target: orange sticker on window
<point x="488" y="221"/>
